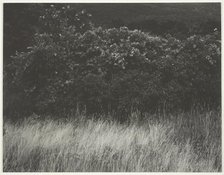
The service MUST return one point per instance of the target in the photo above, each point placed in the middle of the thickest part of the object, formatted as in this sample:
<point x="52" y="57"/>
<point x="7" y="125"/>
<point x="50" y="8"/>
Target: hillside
<point x="158" y="18"/>
<point x="192" y="12"/>
<point x="112" y="88"/>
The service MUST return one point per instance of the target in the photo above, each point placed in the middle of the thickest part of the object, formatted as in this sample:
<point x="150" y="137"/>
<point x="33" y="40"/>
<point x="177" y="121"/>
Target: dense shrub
<point x="74" y="65"/>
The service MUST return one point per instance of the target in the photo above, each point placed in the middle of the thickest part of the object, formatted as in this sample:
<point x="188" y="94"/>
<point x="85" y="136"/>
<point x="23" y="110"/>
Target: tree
<point x="73" y="64"/>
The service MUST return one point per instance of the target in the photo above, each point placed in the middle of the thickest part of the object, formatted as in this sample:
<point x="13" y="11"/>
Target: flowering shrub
<point x="73" y="64"/>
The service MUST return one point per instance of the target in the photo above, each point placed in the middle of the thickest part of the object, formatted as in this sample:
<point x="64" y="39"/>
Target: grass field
<point x="166" y="143"/>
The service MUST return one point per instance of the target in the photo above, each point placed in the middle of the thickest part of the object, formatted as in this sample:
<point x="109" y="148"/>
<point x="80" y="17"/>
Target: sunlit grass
<point x="183" y="142"/>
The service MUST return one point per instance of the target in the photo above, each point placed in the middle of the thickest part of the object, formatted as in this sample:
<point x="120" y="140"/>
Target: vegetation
<point x="82" y="96"/>
<point x="187" y="142"/>
<point x="73" y="64"/>
<point x="181" y="20"/>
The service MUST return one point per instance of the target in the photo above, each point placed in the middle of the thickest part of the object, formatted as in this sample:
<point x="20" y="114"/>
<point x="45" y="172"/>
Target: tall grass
<point x="178" y="143"/>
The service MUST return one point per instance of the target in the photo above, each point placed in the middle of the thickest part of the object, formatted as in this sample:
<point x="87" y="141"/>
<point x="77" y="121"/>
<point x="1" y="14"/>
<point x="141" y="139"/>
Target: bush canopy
<point x="74" y="65"/>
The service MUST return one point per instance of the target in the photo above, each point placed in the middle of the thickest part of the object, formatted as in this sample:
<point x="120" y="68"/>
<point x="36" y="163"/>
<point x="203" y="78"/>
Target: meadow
<point x="182" y="142"/>
<point x="112" y="87"/>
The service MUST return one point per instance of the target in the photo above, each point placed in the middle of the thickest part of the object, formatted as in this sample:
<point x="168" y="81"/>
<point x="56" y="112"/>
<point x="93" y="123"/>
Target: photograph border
<point x="105" y="1"/>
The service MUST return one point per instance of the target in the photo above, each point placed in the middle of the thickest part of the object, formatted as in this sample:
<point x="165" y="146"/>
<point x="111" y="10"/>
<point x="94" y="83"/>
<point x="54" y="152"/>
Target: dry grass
<point x="183" y="142"/>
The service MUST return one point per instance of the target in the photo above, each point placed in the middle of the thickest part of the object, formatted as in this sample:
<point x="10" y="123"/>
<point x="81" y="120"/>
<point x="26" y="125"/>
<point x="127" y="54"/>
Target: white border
<point x="100" y="1"/>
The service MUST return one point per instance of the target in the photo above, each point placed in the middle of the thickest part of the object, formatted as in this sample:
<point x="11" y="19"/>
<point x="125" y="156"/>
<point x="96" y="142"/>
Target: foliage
<point x="74" y="65"/>
<point x="180" y="20"/>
